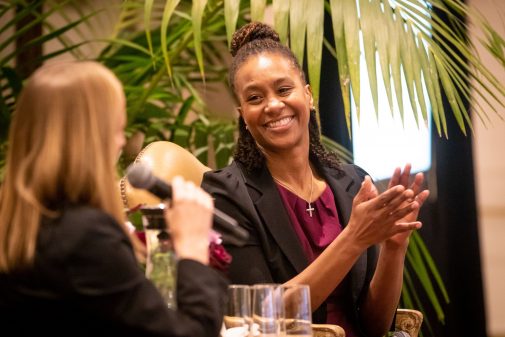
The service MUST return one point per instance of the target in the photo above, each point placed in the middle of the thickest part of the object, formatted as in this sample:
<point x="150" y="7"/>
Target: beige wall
<point x="489" y="163"/>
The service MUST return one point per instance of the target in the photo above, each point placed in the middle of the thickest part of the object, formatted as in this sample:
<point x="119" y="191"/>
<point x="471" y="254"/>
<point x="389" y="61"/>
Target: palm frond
<point x="281" y="18"/>
<point x="315" y="32"/>
<point x="297" y="31"/>
<point x="258" y="10"/>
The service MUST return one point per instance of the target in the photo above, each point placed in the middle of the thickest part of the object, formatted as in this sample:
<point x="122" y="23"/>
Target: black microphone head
<point x="139" y="176"/>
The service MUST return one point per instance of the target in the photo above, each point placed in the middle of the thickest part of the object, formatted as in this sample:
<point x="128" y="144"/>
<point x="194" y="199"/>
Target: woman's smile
<point x="278" y="124"/>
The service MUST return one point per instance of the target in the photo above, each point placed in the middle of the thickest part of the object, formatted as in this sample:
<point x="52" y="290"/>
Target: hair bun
<point x="250" y="32"/>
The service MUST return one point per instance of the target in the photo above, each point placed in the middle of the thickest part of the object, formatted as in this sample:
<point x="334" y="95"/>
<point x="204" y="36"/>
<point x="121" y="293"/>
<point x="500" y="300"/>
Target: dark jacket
<point x="85" y="281"/>
<point x="273" y="252"/>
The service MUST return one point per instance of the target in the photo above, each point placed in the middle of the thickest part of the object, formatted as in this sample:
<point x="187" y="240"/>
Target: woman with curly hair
<point x="311" y="220"/>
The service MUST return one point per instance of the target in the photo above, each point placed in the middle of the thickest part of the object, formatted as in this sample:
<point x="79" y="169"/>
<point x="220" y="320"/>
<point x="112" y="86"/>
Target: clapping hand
<point x="376" y="217"/>
<point x="400" y="178"/>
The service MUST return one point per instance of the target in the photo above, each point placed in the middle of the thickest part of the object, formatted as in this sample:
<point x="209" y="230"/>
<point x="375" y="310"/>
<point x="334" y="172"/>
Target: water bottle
<point x="161" y="264"/>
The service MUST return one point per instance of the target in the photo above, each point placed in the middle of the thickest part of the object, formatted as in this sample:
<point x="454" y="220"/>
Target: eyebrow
<point x="276" y="82"/>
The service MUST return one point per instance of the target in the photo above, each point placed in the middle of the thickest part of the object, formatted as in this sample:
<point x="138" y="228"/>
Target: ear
<point x="239" y="110"/>
<point x="308" y="92"/>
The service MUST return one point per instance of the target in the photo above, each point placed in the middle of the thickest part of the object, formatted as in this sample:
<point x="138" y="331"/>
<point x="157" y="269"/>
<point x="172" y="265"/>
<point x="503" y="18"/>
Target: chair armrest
<point x="327" y="330"/>
<point x="409" y="320"/>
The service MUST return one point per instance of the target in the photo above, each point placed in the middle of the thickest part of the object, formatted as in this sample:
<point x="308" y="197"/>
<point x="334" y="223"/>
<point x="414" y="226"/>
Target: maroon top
<point x="315" y="234"/>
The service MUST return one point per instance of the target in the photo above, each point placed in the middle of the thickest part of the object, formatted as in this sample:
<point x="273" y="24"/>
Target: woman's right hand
<point x="189" y="220"/>
<point x="374" y="216"/>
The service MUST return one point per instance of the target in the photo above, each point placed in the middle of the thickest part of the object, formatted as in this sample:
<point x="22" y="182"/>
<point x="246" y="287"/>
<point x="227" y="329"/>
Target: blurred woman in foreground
<point x="67" y="263"/>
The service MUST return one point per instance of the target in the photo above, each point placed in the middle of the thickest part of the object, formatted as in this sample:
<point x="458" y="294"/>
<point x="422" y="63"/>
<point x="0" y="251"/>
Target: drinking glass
<point x="267" y="310"/>
<point x="237" y="318"/>
<point x="297" y="310"/>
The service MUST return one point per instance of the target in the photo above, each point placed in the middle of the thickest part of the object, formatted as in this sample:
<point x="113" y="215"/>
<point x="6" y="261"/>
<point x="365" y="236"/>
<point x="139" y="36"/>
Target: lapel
<point x="268" y="203"/>
<point x="344" y="188"/>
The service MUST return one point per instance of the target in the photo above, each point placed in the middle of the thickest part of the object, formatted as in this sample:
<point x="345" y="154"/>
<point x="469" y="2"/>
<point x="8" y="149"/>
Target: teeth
<point x="280" y="122"/>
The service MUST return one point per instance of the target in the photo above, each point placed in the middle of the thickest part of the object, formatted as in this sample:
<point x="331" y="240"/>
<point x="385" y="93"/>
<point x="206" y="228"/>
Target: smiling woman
<point x="311" y="220"/>
<point x="274" y="101"/>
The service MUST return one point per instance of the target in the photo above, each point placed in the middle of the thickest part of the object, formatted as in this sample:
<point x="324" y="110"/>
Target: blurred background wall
<point x="489" y="165"/>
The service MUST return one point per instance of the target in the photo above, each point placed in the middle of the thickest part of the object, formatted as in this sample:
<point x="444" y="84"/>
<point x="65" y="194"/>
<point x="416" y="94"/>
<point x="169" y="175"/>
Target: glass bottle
<point x="161" y="263"/>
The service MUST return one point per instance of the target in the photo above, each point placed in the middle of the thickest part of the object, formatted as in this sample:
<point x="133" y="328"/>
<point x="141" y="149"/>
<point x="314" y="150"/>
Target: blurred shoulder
<point x="226" y="177"/>
<point x="346" y="172"/>
<point x="75" y="224"/>
<point x="354" y="171"/>
<point x="83" y="218"/>
<point x="233" y="169"/>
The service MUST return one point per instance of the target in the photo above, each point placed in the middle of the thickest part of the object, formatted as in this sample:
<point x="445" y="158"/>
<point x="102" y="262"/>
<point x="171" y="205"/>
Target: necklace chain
<point x="309" y="209"/>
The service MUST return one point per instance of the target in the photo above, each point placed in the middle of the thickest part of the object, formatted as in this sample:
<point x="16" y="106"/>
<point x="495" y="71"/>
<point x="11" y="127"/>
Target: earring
<point x="247" y="127"/>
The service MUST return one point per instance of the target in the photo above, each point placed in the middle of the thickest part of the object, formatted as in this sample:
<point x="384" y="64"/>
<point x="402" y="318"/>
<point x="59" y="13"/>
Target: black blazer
<point x="85" y="281"/>
<point x="273" y="252"/>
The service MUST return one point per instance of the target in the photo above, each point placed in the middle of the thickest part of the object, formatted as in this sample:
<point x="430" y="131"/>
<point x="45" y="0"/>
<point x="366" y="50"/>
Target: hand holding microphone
<point x="190" y="219"/>
<point x="139" y="176"/>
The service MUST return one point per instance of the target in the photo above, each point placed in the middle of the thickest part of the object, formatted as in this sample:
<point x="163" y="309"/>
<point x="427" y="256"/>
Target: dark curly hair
<point x="253" y="39"/>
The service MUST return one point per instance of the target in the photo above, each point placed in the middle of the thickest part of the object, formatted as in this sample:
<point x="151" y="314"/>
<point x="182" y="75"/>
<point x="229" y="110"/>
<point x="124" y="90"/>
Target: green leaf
<point x="12" y="77"/>
<point x="315" y="16"/>
<point x="408" y="286"/>
<point x="412" y="300"/>
<point x="258" y="10"/>
<point x="414" y="256"/>
<point x="26" y="9"/>
<point x="128" y="44"/>
<point x="183" y="112"/>
<point x="431" y="264"/>
<point x="281" y="19"/>
<point x="394" y="50"/>
<point x="351" y="31"/>
<point x="297" y="31"/>
<point x="231" y="9"/>
<point x="382" y="42"/>
<point x="406" y="52"/>
<point x="170" y="6"/>
<point x="428" y="81"/>
<point x="369" y="23"/>
<point x="39" y="40"/>
<point x="337" y="14"/>
<point x="438" y="93"/>
<point x="450" y="92"/>
<point x="148" y="6"/>
<point x="197" y="16"/>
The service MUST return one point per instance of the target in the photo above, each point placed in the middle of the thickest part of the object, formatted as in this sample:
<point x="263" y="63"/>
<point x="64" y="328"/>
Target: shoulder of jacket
<point x="229" y="174"/>
<point x="354" y="171"/>
<point x="77" y="221"/>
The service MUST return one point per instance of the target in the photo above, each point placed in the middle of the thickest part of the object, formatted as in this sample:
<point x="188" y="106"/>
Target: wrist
<point x="395" y="246"/>
<point x="355" y="245"/>
<point x="192" y="250"/>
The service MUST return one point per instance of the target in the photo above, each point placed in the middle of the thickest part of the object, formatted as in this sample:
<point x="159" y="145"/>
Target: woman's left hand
<point x="401" y="240"/>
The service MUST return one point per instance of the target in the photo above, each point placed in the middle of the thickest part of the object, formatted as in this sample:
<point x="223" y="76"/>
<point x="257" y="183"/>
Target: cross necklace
<point x="309" y="209"/>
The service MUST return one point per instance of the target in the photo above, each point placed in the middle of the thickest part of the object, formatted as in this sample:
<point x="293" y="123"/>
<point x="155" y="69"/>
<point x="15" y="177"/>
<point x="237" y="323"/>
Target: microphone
<point x="139" y="176"/>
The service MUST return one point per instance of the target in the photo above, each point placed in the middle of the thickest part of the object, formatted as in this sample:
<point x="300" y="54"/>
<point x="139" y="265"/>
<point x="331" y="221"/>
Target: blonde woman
<point x="67" y="264"/>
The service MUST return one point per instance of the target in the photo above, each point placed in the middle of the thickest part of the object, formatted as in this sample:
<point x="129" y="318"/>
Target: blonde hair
<point x="61" y="151"/>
